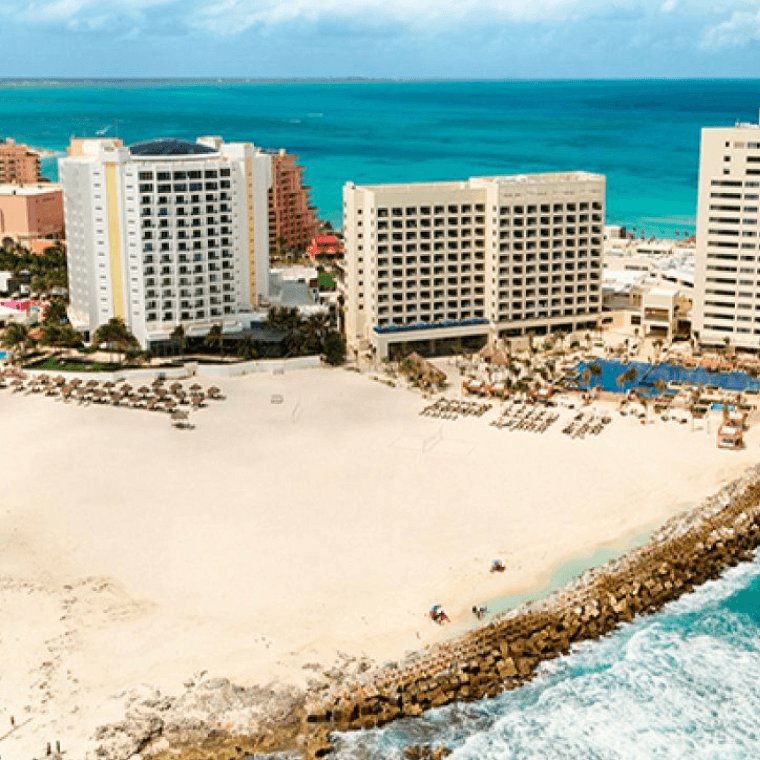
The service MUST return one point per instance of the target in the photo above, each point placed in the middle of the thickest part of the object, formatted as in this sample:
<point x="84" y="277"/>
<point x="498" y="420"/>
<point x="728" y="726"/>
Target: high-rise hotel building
<point x="165" y="233"/>
<point x="440" y="266"/>
<point x="727" y="267"/>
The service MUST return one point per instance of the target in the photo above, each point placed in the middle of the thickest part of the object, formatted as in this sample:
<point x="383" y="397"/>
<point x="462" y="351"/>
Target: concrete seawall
<point x="687" y="551"/>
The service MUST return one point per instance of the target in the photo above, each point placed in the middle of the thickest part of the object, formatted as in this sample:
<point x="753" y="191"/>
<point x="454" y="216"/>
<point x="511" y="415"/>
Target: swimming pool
<point x="648" y="374"/>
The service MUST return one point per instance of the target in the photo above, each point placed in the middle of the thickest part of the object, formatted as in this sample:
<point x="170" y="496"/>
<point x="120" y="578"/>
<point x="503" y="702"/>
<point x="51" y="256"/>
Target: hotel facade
<point x="727" y="268"/>
<point x="439" y="267"/>
<point x="165" y="233"/>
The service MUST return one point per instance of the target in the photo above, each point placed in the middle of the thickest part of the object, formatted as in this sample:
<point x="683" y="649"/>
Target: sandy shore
<point x="274" y="536"/>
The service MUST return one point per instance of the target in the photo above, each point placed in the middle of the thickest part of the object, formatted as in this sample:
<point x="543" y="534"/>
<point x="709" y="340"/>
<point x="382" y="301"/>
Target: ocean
<point x="643" y="135"/>
<point x="681" y="685"/>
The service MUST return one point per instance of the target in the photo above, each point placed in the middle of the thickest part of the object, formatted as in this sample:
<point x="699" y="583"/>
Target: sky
<point x="461" y="39"/>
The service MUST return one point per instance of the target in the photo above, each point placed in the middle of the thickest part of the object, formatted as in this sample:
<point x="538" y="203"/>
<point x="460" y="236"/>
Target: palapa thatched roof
<point x="423" y="372"/>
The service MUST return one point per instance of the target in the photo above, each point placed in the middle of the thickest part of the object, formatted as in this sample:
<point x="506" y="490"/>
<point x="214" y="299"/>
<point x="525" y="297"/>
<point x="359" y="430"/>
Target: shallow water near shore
<point x="684" y="683"/>
<point x="565" y="573"/>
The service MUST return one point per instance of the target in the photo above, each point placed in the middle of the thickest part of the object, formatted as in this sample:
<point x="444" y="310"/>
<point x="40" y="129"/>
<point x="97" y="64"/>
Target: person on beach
<point x="479" y="612"/>
<point x="497" y="566"/>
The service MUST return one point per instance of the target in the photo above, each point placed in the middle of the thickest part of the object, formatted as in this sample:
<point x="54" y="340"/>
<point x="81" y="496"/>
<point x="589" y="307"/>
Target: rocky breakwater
<point x="687" y="551"/>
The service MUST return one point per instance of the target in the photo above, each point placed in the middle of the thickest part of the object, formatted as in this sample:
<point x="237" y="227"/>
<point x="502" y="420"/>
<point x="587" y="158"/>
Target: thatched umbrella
<point x="214" y="392"/>
<point x="60" y="380"/>
<point x="92" y="384"/>
<point x="196" y="387"/>
<point x="151" y="404"/>
<point x="74" y="382"/>
<point x="196" y="399"/>
<point x="176" y="387"/>
<point x="126" y="388"/>
<point x="170" y="405"/>
<point x="162" y="393"/>
<point x="143" y="390"/>
<point x="109" y="384"/>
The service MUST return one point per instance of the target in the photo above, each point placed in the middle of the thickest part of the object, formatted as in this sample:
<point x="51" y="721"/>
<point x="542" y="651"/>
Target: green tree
<point x="596" y="371"/>
<point x="247" y="349"/>
<point x="115" y="334"/>
<point x="55" y="312"/>
<point x="16" y="337"/>
<point x="178" y="335"/>
<point x="335" y="348"/>
<point x="62" y="336"/>
<point x="215" y="337"/>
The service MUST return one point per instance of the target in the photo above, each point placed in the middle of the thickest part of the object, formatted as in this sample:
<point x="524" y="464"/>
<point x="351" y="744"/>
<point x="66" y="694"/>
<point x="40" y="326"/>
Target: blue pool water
<point x="647" y="374"/>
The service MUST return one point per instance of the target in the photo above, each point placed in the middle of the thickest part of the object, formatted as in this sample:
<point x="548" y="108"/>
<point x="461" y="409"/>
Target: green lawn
<point x="73" y="365"/>
<point x="326" y="281"/>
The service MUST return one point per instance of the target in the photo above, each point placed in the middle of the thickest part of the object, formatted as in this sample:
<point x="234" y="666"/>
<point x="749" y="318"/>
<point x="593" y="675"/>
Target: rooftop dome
<point x="169" y="147"/>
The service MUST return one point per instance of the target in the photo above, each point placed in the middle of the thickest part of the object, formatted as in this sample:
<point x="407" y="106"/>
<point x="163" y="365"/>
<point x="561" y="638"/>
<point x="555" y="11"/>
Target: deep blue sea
<point x="682" y="684"/>
<point x="644" y="135"/>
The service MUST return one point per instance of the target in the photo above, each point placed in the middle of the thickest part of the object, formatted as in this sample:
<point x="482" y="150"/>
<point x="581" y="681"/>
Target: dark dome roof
<point x="169" y="147"/>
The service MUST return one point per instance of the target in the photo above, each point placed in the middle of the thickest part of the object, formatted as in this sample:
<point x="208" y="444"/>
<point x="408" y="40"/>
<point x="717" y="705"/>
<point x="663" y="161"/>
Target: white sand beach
<point x="277" y="535"/>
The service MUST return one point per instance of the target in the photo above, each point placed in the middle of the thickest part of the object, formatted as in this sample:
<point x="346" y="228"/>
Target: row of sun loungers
<point x="451" y="409"/>
<point x="524" y="418"/>
<point x="585" y="424"/>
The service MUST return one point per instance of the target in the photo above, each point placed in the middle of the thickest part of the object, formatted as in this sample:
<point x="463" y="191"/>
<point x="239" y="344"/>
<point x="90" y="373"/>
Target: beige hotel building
<point x="438" y="267"/>
<point x="727" y="268"/>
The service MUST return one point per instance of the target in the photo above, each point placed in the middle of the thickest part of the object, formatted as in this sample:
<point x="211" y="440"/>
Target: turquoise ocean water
<point x="644" y="135"/>
<point x="684" y="683"/>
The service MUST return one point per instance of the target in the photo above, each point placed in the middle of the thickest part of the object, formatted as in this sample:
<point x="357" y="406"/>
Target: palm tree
<point x="630" y="375"/>
<point x="659" y="386"/>
<point x="247" y="348"/>
<point x="115" y="333"/>
<point x="596" y="371"/>
<point x="178" y="334"/>
<point x="586" y="376"/>
<point x="215" y="337"/>
<point x="16" y="337"/>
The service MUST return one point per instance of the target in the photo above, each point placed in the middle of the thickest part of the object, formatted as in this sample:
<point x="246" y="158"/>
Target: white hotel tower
<point x="727" y="266"/>
<point x="441" y="266"/>
<point x="165" y="233"/>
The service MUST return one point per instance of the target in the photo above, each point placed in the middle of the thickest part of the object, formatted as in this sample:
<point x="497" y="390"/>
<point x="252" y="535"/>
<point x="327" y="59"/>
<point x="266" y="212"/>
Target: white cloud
<point x="741" y="28"/>
<point x="230" y="17"/>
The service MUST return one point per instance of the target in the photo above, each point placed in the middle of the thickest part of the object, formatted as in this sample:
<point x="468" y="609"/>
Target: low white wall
<point x="190" y="369"/>
<point x="250" y="368"/>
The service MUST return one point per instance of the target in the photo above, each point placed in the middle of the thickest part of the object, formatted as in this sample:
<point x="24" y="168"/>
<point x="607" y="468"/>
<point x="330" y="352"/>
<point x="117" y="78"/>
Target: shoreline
<point x="684" y="553"/>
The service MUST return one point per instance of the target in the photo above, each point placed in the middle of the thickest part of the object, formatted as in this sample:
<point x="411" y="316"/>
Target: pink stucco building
<point x="30" y="212"/>
<point x="18" y="164"/>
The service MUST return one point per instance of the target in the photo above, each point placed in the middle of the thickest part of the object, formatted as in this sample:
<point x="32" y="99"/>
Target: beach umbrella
<point x="75" y="382"/>
<point x="60" y="380"/>
<point x="196" y="387"/>
<point x="92" y="384"/>
<point x="126" y="388"/>
<point x="143" y="390"/>
<point x="176" y="386"/>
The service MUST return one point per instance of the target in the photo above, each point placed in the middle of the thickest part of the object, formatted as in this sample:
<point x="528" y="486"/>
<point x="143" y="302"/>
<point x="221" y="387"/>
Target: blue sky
<point x="380" y="38"/>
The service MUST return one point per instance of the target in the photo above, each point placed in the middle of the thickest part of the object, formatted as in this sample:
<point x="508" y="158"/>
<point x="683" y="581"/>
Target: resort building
<point x="727" y="281"/>
<point x="18" y="164"/>
<point x="166" y="233"/>
<point x="439" y="267"/>
<point x="31" y="212"/>
<point x="292" y="218"/>
<point x="325" y="248"/>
